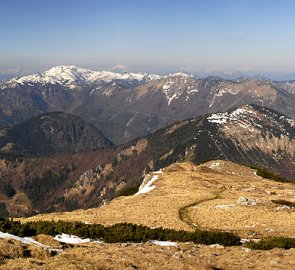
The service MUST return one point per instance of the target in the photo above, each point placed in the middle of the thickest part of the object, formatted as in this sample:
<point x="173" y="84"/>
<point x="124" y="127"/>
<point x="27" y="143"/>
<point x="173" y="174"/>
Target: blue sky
<point x="149" y="35"/>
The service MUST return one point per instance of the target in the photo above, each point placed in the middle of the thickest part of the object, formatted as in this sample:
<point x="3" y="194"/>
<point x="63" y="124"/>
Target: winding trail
<point x="184" y="215"/>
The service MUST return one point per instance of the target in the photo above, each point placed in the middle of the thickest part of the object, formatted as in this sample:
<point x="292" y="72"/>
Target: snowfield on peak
<point x="71" y="75"/>
<point x="236" y="115"/>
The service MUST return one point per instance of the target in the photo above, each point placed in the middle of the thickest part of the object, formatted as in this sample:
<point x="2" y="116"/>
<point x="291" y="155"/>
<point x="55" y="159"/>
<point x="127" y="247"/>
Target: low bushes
<point x="123" y="232"/>
<point x="269" y="175"/>
<point x="128" y="191"/>
<point x="272" y="242"/>
<point x="284" y="202"/>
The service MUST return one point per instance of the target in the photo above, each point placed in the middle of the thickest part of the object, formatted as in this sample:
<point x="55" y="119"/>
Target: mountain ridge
<point x="249" y="135"/>
<point x="125" y="107"/>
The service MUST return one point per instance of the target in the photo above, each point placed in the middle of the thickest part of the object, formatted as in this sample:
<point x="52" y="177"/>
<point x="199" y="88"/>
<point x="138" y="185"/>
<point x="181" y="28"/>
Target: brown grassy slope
<point x="147" y="256"/>
<point x="195" y="191"/>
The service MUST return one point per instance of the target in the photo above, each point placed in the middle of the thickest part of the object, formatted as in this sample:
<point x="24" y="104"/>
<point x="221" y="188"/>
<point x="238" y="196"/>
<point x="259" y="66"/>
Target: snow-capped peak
<point x="179" y="74"/>
<point x="71" y="75"/>
<point x="248" y="117"/>
<point x="66" y="75"/>
<point x="56" y="75"/>
<point x="235" y="115"/>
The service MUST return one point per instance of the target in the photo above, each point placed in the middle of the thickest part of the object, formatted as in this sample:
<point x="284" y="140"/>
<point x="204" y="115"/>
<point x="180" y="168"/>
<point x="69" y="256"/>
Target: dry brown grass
<point x="151" y="257"/>
<point x="198" y="190"/>
<point x="48" y="241"/>
<point x="13" y="249"/>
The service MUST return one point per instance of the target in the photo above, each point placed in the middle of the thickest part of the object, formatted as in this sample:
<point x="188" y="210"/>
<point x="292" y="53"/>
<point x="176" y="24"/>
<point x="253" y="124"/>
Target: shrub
<point x="272" y="242"/>
<point x="128" y="191"/>
<point x="269" y="175"/>
<point x="284" y="202"/>
<point x="122" y="232"/>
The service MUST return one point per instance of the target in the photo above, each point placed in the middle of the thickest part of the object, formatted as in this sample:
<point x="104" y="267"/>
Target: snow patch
<point x="24" y="240"/>
<point x="214" y="164"/>
<point x="243" y="117"/>
<point x="225" y="206"/>
<point x="163" y="243"/>
<point x="70" y="239"/>
<point x="145" y="188"/>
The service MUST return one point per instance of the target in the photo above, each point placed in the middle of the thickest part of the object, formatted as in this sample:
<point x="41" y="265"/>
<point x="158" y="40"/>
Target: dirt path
<point x="184" y="215"/>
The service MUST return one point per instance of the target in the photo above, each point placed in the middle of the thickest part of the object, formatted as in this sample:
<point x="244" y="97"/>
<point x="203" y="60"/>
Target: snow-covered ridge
<point x="223" y="118"/>
<point x="71" y="75"/>
<point x="246" y="117"/>
<point x="178" y="74"/>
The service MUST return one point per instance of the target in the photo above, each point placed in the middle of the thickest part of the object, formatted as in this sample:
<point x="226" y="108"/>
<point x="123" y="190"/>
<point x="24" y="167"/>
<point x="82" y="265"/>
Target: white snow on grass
<point x="214" y="164"/>
<point x="158" y="172"/>
<point x="225" y="206"/>
<point x="163" y="243"/>
<point x="70" y="239"/>
<point x="148" y="186"/>
<point x="24" y="240"/>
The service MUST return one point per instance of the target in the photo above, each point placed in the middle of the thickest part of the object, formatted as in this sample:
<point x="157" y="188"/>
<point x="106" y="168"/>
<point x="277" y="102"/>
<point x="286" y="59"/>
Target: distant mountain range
<point x="129" y="105"/>
<point x="249" y="134"/>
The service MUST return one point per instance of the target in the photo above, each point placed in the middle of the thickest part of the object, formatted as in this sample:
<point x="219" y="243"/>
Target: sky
<point x="160" y="36"/>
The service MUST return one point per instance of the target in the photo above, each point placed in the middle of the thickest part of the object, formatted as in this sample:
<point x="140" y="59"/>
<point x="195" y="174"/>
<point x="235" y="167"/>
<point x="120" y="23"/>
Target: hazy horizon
<point x="214" y="37"/>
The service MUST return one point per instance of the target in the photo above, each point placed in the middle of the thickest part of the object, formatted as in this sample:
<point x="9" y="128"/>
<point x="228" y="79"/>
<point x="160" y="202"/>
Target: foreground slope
<point x="147" y="256"/>
<point x="217" y="194"/>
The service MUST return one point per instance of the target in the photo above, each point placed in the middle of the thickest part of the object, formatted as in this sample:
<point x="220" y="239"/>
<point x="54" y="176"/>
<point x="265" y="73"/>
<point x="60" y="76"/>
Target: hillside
<point x="249" y="135"/>
<point x="51" y="133"/>
<point x="126" y="106"/>
<point x="217" y="195"/>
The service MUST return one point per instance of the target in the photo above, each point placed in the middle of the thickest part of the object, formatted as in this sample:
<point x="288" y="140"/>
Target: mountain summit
<point x="71" y="75"/>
